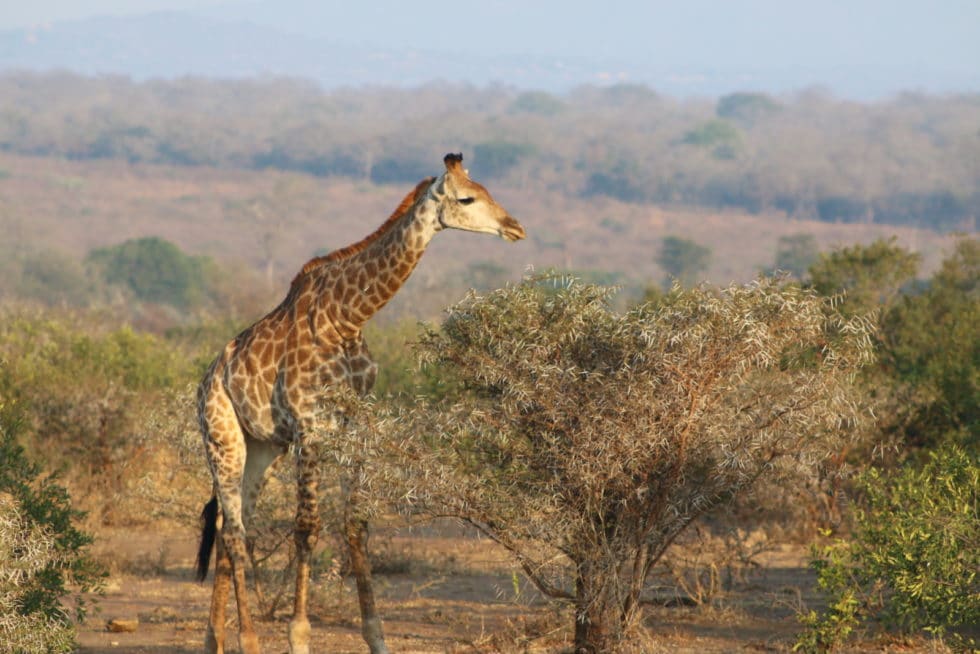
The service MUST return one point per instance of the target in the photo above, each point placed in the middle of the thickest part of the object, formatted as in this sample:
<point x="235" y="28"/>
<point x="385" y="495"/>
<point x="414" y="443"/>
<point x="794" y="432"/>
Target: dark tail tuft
<point x="209" y="529"/>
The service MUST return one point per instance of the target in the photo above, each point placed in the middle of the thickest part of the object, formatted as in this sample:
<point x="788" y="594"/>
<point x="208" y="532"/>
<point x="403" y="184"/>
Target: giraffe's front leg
<point x="356" y="533"/>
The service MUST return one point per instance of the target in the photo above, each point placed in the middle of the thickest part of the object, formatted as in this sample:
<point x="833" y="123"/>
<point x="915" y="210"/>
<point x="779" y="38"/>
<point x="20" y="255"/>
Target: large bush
<point x="591" y="439"/>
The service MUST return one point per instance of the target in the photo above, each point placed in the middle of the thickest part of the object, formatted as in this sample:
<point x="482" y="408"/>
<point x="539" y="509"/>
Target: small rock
<point x="120" y="625"/>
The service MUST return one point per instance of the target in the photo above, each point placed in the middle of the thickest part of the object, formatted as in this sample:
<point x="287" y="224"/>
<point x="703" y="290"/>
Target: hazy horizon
<point x="864" y="50"/>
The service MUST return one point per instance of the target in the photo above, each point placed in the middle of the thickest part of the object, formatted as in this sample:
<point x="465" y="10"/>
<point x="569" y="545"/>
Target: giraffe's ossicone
<point x="259" y="397"/>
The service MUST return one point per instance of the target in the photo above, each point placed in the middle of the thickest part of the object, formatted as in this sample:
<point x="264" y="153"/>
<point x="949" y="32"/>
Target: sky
<point x="913" y="42"/>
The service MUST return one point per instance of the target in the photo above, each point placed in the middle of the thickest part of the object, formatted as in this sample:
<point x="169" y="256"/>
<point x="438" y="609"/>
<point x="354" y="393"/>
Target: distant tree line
<point x="909" y="161"/>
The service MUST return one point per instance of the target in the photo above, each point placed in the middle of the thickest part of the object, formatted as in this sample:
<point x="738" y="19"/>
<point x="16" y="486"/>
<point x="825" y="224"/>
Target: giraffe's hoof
<point x="249" y="643"/>
<point x="299" y="636"/>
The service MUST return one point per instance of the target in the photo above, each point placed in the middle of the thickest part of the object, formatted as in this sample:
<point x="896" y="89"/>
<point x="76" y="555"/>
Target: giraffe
<point x="258" y="398"/>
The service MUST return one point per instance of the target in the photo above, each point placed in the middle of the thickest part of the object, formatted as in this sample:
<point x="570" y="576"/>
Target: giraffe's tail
<point x="209" y="530"/>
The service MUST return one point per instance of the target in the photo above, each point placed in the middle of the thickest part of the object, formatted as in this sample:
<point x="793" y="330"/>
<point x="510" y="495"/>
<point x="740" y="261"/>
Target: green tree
<point x="870" y="276"/>
<point x="795" y="254"/>
<point x="683" y="259"/>
<point x="746" y="108"/>
<point x="590" y="439"/>
<point x="155" y="270"/>
<point x="495" y="158"/>
<point x="931" y="350"/>
<point x="712" y="133"/>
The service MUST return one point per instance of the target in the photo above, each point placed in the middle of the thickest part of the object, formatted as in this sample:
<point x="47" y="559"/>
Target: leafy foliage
<point x="591" y="439"/>
<point x="931" y="350"/>
<point x="926" y="385"/>
<point x="870" y="276"/>
<point x="43" y="557"/>
<point x="913" y="560"/>
<point x="79" y="388"/>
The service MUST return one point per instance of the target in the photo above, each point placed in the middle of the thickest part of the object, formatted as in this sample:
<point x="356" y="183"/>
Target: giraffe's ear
<point x="454" y="163"/>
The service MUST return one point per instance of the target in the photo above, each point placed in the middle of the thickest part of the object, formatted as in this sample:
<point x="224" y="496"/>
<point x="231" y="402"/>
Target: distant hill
<point x="356" y="46"/>
<point x="178" y="44"/>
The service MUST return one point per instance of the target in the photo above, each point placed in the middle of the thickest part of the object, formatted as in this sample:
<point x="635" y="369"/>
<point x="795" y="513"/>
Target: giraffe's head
<point x="464" y="204"/>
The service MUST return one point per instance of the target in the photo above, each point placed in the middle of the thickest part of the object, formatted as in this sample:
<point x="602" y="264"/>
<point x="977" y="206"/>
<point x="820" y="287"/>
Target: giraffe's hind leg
<point x="226" y="450"/>
<point x="215" y="639"/>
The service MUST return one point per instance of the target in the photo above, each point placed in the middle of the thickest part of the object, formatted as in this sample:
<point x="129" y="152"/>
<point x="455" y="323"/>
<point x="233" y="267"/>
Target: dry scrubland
<point x="274" y="221"/>
<point x="259" y="176"/>
<point x="440" y="588"/>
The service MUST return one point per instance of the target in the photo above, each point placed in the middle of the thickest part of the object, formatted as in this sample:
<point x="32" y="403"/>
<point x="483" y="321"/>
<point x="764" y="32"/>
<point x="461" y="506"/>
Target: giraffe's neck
<point x="356" y="282"/>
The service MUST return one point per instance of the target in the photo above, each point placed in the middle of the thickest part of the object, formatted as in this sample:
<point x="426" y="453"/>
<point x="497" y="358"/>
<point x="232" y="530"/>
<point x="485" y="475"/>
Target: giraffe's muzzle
<point x="511" y="230"/>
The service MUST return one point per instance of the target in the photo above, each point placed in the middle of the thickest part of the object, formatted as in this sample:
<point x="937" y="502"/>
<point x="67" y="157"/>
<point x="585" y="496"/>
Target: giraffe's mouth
<point x="511" y="230"/>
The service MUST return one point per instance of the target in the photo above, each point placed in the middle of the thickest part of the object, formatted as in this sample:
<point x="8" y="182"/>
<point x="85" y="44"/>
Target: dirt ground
<point x="460" y="594"/>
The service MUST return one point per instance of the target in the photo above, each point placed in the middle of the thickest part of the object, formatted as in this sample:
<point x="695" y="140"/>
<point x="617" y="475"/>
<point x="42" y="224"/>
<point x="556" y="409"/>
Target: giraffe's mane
<point x="406" y="205"/>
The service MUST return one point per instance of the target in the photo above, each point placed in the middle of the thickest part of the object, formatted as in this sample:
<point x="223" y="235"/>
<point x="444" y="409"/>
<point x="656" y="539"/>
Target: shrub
<point x="80" y="389"/>
<point x="43" y="557"/>
<point x="913" y="561"/>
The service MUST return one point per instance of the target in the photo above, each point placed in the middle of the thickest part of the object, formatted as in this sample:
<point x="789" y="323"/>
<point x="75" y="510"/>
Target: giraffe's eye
<point x="466" y="200"/>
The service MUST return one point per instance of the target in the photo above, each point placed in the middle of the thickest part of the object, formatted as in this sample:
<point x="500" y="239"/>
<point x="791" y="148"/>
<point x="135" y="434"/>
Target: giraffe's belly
<point x="281" y="407"/>
<point x="255" y="413"/>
